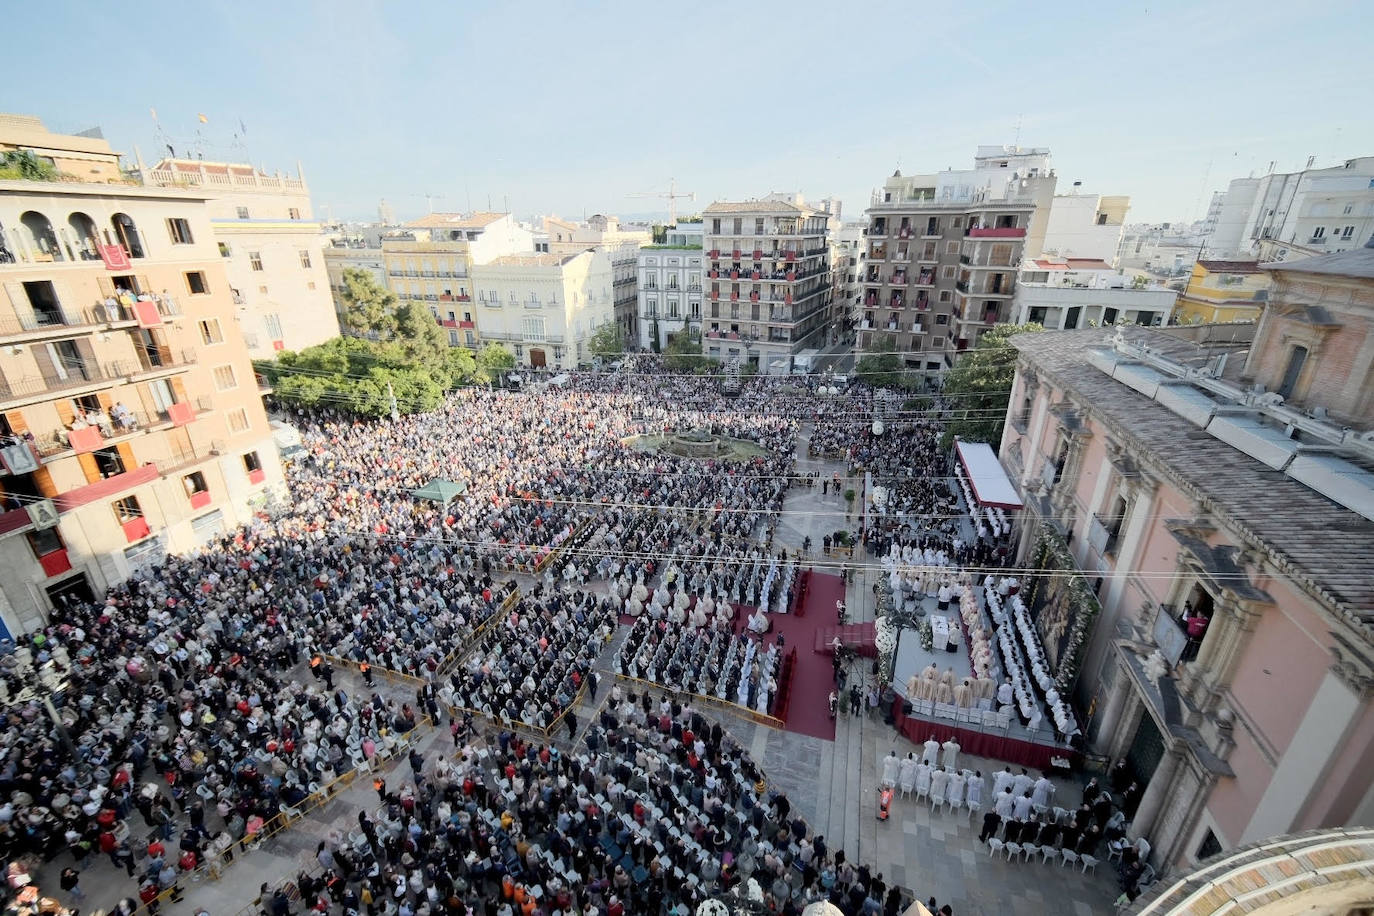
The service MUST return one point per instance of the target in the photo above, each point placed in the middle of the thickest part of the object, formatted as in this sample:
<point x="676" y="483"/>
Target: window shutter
<point x="18" y="298"/>
<point x="179" y="390"/>
<point x="126" y="455"/>
<point x="104" y="398"/>
<point x="66" y="413"/>
<point x="107" y="287"/>
<point x="43" y="480"/>
<point x="89" y="467"/>
<point x="67" y="302"/>
<point x="15" y="418"/>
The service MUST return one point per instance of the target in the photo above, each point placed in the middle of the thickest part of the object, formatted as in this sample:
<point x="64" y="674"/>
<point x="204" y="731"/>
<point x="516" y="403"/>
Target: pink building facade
<point x="1232" y="664"/>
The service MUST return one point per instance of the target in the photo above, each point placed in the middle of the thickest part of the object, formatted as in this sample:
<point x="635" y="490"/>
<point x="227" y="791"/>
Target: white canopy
<point x="990" y="484"/>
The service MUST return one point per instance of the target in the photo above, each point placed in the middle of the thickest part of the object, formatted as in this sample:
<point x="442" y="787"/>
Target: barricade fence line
<point x="215" y="864"/>
<point x="754" y="715"/>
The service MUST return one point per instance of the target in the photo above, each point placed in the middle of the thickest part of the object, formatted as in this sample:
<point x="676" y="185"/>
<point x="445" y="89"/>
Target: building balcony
<point x="925" y="278"/>
<point x="758" y="254"/>
<point x="927" y="234"/>
<point x="713" y="254"/>
<point x="735" y="254"/>
<point x="1103" y="535"/>
<point x="904" y="232"/>
<point x="1006" y="232"/>
<point x="754" y="297"/>
<point x="789" y="255"/>
<point x="961" y="286"/>
<point x="734" y="297"/>
<point x="105" y="489"/>
<point x="898" y="278"/>
<point x="877" y="231"/>
<point x="44" y="323"/>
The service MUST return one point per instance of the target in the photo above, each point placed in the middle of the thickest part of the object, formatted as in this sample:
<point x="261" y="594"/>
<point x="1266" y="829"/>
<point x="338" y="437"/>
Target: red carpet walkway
<point x="808" y="712"/>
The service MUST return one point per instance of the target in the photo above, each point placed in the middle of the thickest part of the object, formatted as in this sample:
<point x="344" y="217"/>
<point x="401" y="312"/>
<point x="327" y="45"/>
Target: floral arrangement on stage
<point x="927" y="635"/>
<point x="885" y="635"/>
<point x="1052" y="556"/>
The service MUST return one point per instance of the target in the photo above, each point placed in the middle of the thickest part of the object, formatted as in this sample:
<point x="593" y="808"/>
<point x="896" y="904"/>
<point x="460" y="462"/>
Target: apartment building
<point x="669" y="285"/>
<point x="939" y="272"/>
<point x="131" y="420"/>
<point x="272" y="249"/>
<point x="768" y="284"/>
<point x="431" y="261"/>
<point x="545" y="307"/>
<point x="1222" y="291"/>
<point x="1084" y="226"/>
<point x="847" y="257"/>
<point x="1285" y="216"/>
<point x="1067" y="293"/>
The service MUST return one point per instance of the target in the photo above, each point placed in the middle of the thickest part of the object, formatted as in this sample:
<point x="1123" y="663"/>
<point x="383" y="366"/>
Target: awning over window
<point x="985" y="475"/>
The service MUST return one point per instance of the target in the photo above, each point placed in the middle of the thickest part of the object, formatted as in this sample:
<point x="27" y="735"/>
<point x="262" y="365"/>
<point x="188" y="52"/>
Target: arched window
<point x="42" y="236"/>
<point x="127" y="233"/>
<point x="85" y="237"/>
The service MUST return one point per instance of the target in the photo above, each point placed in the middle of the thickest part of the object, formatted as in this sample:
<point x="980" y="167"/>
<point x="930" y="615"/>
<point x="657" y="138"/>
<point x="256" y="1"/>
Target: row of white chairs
<point x="1046" y="853"/>
<point x="986" y="718"/>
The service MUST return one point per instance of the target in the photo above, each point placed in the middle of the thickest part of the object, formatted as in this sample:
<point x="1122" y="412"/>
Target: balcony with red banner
<point x="85" y="440"/>
<point x="997" y="233"/>
<point x="108" y="487"/>
<point x="713" y="254"/>
<point x="55" y="563"/>
<point x="135" y="529"/>
<point x="181" y="414"/>
<point x="758" y="254"/>
<point x="257" y="476"/>
<point x="200" y="500"/>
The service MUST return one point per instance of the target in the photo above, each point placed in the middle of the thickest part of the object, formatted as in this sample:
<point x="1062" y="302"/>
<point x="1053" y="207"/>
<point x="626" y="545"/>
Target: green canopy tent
<point x="441" y="491"/>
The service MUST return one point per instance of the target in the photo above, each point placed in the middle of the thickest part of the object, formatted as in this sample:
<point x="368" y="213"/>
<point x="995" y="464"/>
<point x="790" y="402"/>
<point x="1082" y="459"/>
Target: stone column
<point x="1113" y="709"/>
<point x="1127" y="723"/>
<point x="1155" y="794"/>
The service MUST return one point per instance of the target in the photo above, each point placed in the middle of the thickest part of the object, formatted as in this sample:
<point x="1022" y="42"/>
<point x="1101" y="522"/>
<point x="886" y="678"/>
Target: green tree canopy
<point x="418" y="334"/>
<point x="607" y="341"/>
<point x="882" y="367"/>
<point x="23" y="165"/>
<point x="492" y="360"/>
<point x="368" y="307"/>
<point x="979" y="386"/>
<point x="683" y="353"/>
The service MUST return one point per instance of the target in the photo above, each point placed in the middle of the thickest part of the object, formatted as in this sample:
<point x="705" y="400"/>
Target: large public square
<point x="507" y="656"/>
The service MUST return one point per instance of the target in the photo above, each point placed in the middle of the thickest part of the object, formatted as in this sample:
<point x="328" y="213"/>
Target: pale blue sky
<point x="568" y="108"/>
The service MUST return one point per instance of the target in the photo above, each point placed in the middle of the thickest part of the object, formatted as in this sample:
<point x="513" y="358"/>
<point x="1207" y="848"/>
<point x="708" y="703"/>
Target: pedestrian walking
<point x="70" y="881"/>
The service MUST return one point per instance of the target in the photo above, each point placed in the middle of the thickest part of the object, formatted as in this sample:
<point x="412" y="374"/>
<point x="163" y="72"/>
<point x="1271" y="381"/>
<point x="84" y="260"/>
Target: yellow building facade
<point x="1220" y="291"/>
<point x="131" y="424"/>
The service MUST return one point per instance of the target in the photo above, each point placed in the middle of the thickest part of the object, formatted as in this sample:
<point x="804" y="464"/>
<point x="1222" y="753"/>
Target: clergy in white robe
<point x="974" y="789"/>
<point x="951" y="755"/>
<point x="944" y="693"/>
<point x="922" y="778"/>
<point x="948" y="678"/>
<point x="907" y="776"/>
<point x="930" y="755"/>
<point x="891" y="769"/>
<point x="1001" y="781"/>
<point x="956" y="789"/>
<point x="939" y="784"/>
<point x="1042" y="792"/>
<point x="913" y="687"/>
<point x="963" y="695"/>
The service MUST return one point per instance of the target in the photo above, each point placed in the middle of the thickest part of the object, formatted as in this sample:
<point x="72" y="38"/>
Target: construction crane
<point x="671" y="195"/>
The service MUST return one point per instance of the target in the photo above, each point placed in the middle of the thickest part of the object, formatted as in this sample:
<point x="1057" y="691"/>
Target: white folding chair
<point x="1089" y="862"/>
<point x="1028" y="850"/>
<point x="1013" y="849"/>
<point x="1061" y="816"/>
<point x="1069" y="857"/>
<point x="1048" y="852"/>
<point x="994" y="846"/>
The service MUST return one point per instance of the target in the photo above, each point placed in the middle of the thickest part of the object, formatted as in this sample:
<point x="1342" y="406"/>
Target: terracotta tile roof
<point x="1231" y="267"/>
<point x="755" y="206"/>
<point x="455" y="221"/>
<point x="1317" y="540"/>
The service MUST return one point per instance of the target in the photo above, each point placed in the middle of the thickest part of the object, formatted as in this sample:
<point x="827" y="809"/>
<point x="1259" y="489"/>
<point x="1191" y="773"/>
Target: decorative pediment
<point x="1353" y="667"/>
<point x="1221" y="567"/>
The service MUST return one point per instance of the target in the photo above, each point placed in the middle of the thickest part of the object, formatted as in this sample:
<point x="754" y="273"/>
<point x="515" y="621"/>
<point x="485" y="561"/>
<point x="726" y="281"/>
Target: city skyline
<point x="537" y="112"/>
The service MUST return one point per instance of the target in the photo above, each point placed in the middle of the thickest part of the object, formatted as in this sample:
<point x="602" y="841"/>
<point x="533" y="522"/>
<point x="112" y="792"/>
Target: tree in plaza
<point x="492" y="360"/>
<point x="683" y="353"/>
<point x="607" y="341"/>
<point x="418" y="334"/>
<point x="978" y="388"/>
<point x="882" y="367"/>
<point x="368" y="307"/>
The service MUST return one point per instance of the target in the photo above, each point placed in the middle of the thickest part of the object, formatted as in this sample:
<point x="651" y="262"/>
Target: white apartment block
<point x="544" y="307"/>
<point x="272" y="250"/>
<point x="1286" y="216"/>
<point x="848" y="257"/>
<point x="669" y="286"/>
<point x="1067" y="293"/>
<point x="1084" y="226"/>
<point x="768" y="284"/>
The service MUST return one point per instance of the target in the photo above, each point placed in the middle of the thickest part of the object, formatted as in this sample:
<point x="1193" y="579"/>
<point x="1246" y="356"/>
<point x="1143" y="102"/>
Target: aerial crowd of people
<point x="199" y="697"/>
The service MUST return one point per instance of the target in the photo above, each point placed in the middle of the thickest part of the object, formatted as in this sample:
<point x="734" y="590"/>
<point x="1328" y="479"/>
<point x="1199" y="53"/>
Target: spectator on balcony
<point x="124" y="416"/>
<point x="1195" y="624"/>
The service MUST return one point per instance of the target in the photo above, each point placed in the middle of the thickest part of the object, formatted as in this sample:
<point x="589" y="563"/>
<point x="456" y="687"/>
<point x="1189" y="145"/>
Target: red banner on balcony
<point x="145" y="310"/>
<point x="115" y="257"/>
<point x="85" y="440"/>
<point x="200" y="500"/>
<point x="181" y="414"/>
<point x="55" y="563"/>
<point x="278" y="345"/>
<point x="257" y="476"/>
<point x="135" y="528"/>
